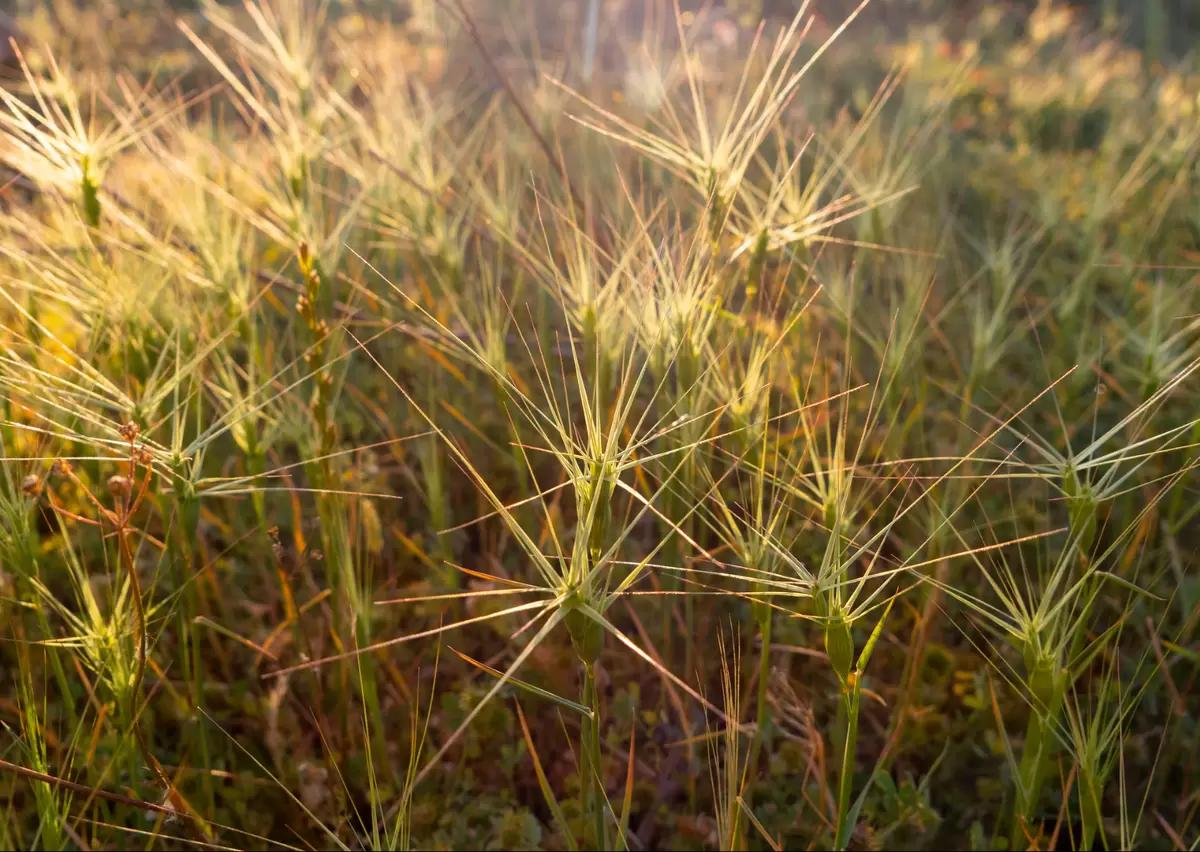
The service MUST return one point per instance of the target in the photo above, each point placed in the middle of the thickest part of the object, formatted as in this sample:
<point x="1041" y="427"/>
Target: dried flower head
<point x="119" y="486"/>
<point x="31" y="485"/>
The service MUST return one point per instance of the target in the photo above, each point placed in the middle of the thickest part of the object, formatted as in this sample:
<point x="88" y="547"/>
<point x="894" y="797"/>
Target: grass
<point x="610" y="426"/>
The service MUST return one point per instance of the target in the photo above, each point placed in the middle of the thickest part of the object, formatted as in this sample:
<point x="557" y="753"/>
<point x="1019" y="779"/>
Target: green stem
<point x="851" y="701"/>
<point x="187" y="524"/>
<point x="1036" y="753"/>
<point x="1089" y="810"/>
<point x="589" y="765"/>
<point x="1028" y="775"/>
<point x="762" y="719"/>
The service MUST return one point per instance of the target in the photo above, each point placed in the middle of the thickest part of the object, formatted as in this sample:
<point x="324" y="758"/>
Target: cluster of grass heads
<point x="766" y="432"/>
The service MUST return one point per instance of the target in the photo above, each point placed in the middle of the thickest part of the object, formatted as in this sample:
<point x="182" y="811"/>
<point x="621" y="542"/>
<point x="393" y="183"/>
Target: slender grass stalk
<point x="352" y="611"/>
<point x="186" y="529"/>
<point x="594" y="798"/>
<point x="840" y="647"/>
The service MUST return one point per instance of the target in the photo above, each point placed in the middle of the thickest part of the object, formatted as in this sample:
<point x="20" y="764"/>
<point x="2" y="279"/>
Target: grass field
<point x="599" y="425"/>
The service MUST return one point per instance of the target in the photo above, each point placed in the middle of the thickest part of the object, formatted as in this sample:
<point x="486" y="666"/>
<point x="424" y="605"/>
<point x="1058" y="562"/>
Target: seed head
<point x="119" y="486"/>
<point x="130" y="431"/>
<point x="31" y="486"/>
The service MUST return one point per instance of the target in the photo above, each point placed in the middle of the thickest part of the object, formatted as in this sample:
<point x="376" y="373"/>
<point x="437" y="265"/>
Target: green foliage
<point x="781" y="434"/>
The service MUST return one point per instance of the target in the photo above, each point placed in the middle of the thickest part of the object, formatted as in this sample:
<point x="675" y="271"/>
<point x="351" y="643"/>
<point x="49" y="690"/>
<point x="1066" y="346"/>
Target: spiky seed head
<point x="130" y="431"/>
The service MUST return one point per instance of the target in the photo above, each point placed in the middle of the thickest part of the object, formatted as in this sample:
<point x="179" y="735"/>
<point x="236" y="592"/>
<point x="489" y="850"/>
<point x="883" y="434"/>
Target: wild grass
<point x="611" y="425"/>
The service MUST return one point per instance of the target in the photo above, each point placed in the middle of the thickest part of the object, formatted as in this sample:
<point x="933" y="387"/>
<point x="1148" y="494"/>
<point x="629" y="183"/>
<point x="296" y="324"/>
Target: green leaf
<point x="865" y="656"/>
<point x="544" y="783"/>
<point x="525" y="685"/>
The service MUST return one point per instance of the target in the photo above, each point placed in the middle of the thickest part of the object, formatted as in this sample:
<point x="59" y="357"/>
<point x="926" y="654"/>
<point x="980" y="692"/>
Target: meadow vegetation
<point x="597" y="425"/>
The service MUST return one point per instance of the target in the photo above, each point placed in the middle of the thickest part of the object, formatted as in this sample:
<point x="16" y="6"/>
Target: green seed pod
<point x="587" y="637"/>
<point x="598" y="499"/>
<point x="1030" y="654"/>
<point x="839" y="645"/>
<point x="1082" y="509"/>
<point x="91" y="202"/>
<point x="1043" y="675"/>
<point x="181" y="482"/>
<point x="588" y="322"/>
<point x="1083" y="521"/>
<point x="90" y="192"/>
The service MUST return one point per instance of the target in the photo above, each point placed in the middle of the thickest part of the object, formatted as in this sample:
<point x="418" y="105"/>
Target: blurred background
<point x="1161" y="27"/>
